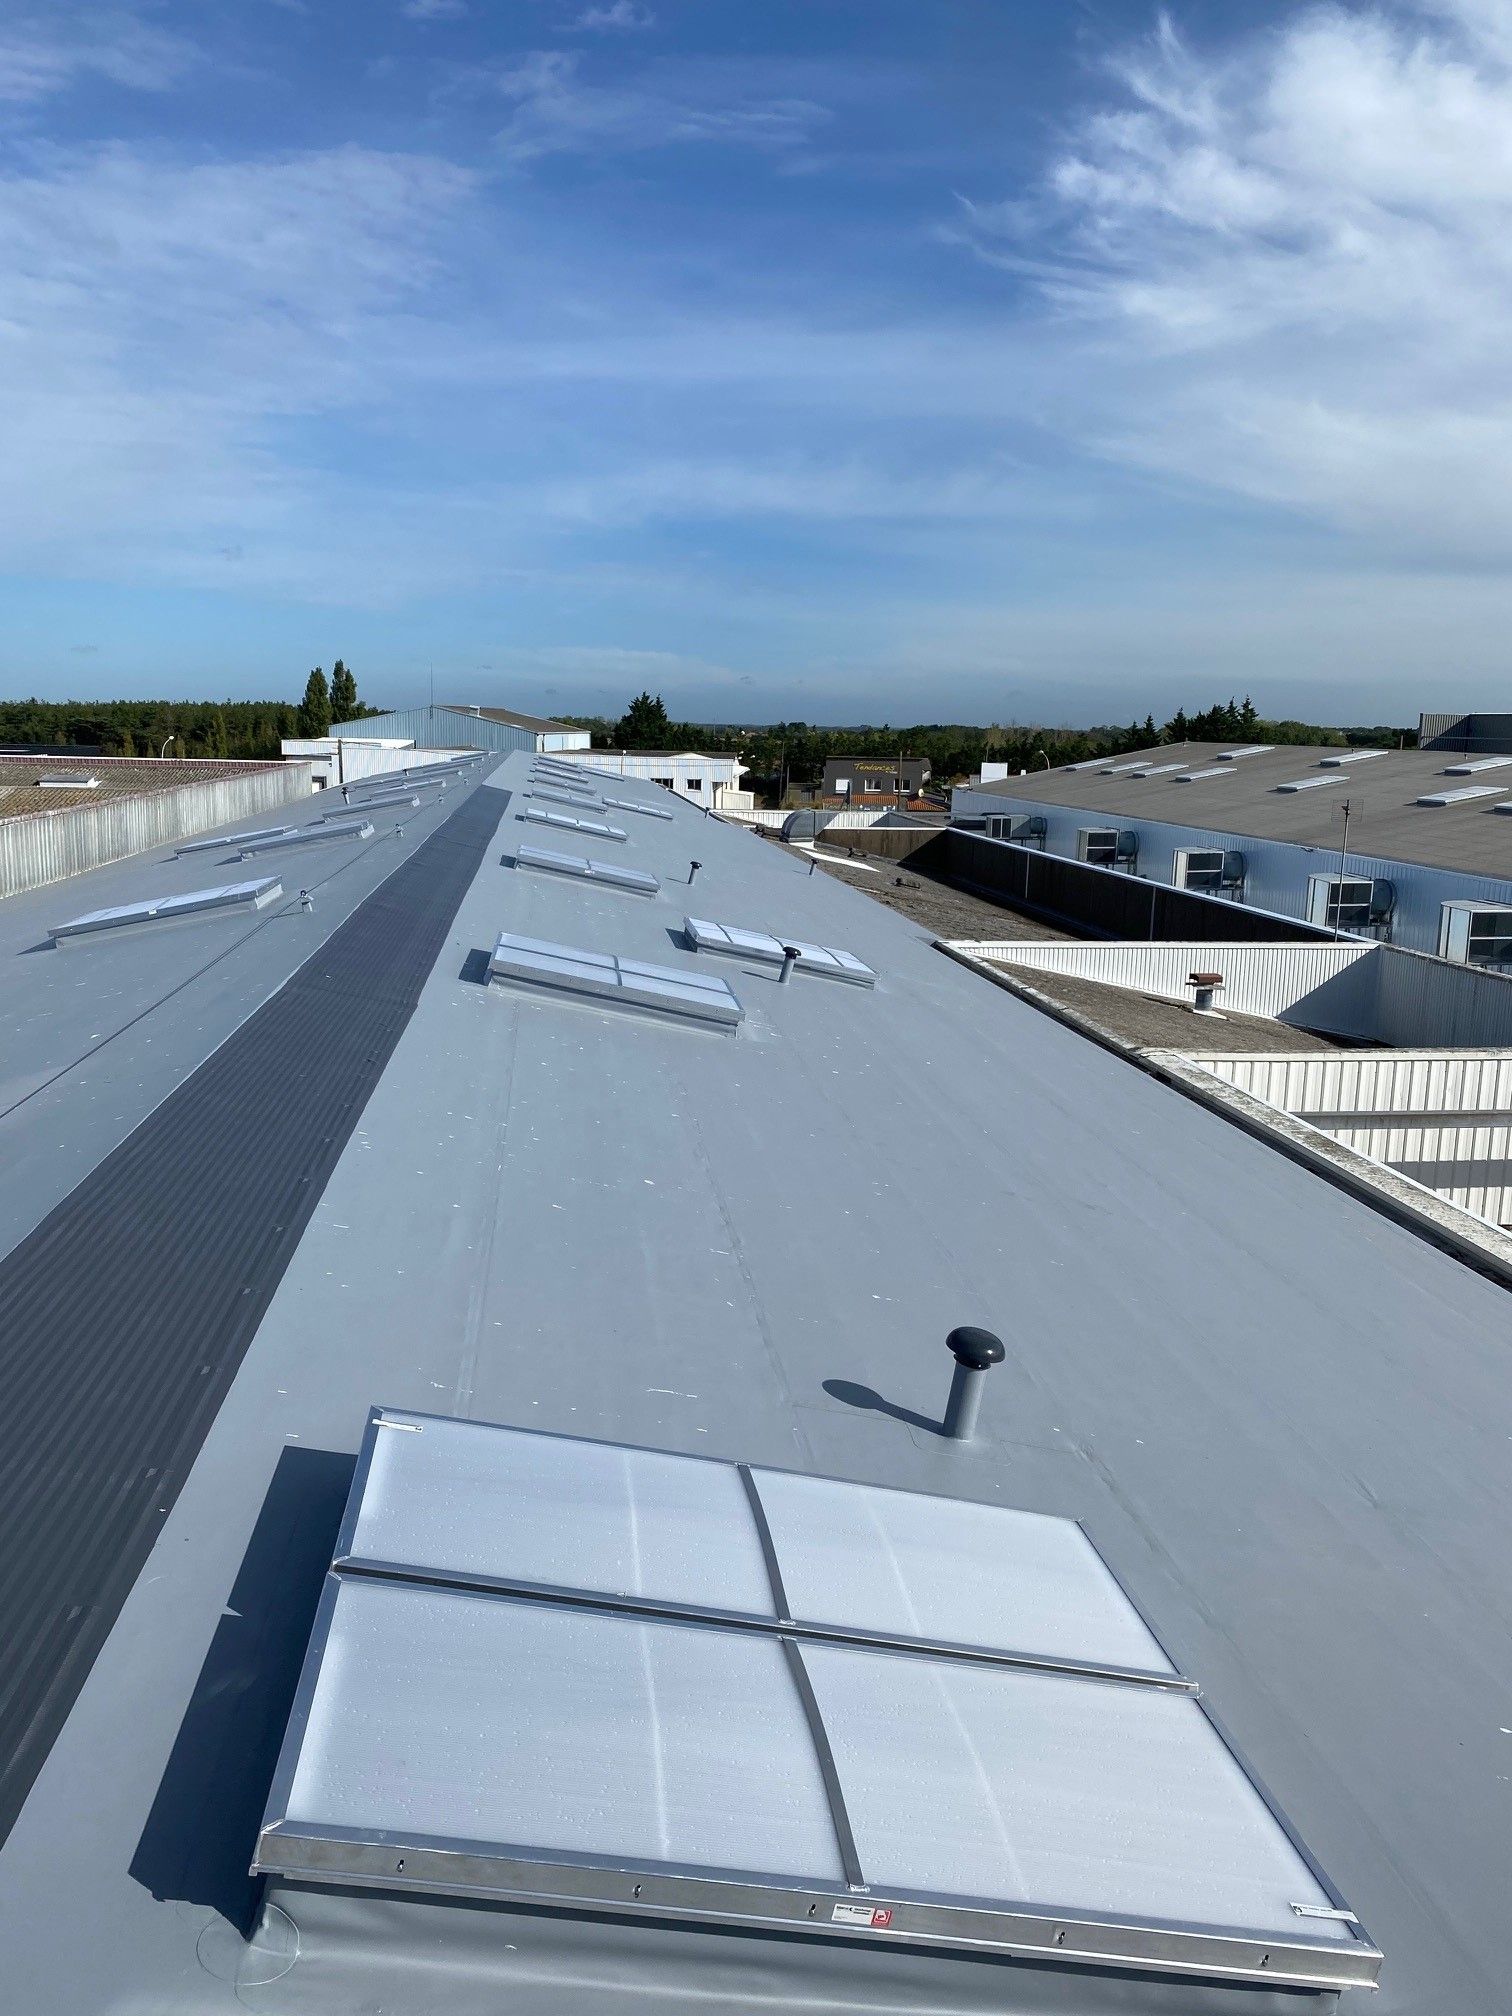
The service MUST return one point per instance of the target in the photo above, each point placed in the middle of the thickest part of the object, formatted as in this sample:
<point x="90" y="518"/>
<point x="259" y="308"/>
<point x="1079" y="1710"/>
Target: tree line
<point x="788" y="753"/>
<point x="246" y="729"/>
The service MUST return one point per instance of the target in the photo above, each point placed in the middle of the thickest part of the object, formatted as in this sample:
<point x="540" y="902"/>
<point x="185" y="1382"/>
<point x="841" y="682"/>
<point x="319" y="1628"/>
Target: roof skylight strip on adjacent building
<point x="303" y="836"/>
<point x="53" y="782"/>
<point x="1337" y="762"/>
<point x="614" y="983"/>
<point x="1120" y="769"/>
<point x="601" y="1756"/>
<point x="233" y="897"/>
<point x="731" y="939"/>
<point x="1155" y="769"/>
<point x="565" y="822"/>
<point x="1196" y="776"/>
<point x="1303" y="784"/>
<point x="1460" y="797"/>
<point x="1238" y="755"/>
<point x="1476" y="764"/>
<point x="634" y="881"/>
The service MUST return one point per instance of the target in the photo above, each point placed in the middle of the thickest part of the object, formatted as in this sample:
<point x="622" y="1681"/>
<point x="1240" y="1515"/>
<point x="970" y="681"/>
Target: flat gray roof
<point x="507" y="715"/>
<point x="1385" y="820"/>
<point x="1284" y="1420"/>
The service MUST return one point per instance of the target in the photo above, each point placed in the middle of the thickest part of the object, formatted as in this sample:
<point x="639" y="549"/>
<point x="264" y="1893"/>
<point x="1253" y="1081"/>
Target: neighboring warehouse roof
<point x="1242" y="798"/>
<point x="672" y="755"/>
<point x="22" y="792"/>
<point x="1283" y="1419"/>
<point x="536" y="723"/>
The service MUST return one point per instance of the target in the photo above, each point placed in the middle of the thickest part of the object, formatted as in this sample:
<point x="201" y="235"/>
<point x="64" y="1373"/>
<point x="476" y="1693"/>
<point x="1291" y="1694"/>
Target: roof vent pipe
<point x="975" y="1353"/>
<point x="790" y="957"/>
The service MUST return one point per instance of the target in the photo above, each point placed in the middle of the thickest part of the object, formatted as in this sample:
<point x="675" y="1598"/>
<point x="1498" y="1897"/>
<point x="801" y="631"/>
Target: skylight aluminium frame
<point x="409" y="1860"/>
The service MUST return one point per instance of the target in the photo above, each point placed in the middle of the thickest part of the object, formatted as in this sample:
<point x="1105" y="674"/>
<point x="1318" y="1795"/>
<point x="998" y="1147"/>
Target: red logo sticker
<point x="881" y="1918"/>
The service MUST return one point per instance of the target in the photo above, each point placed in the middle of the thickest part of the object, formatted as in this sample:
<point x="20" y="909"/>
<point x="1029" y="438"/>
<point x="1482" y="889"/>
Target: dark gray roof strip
<point x="129" y="1308"/>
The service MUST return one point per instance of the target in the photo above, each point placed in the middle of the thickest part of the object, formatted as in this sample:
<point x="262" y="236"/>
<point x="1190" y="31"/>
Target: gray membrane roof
<point x="1285" y="1421"/>
<point x="1386" y="819"/>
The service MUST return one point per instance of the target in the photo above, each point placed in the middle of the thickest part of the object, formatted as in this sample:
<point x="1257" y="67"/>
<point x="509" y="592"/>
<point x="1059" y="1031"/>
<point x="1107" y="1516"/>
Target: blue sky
<point x="826" y="358"/>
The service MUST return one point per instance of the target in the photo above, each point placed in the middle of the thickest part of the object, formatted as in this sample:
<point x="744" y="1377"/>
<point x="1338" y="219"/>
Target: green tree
<point x="217" y="743"/>
<point x="315" y="708"/>
<point x="343" y="693"/>
<point x="644" y="725"/>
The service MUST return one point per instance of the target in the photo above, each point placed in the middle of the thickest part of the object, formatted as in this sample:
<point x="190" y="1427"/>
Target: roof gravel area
<point x="1284" y="1419"/>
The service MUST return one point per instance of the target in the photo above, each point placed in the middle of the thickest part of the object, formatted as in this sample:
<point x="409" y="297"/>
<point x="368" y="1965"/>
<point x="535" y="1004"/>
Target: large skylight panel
<point x="64" y="781"/>
<point x="510" y="1507"/>
<point x="615" y="983"/>
<point x="1196" y="776"/>
<point x="304" y="836"/>
<point x="1475" y="765"/>
<point x="1120" y="769"/>
<point x="1343" y="756"/>
<point x="1460" y="797"/>
<point x="1155" y="769"/>
<point x="1304" y="784"/>
<point x="1238" y="755"/>
<point x="1118" y="1802"/>
<point x="237" y="898"/>
<point x="581" y="868"/>
<point x="563" y="1733"/>
<point x="509" y="1697"/>
<point x="736" y="941"/>
<point x="903" y="1564"/>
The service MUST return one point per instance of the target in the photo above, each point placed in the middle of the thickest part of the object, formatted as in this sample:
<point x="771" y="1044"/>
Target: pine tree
<point x="343" y="693"/>
<point x="1249" y="720"/>
<point x="644" y="725"/>
<point x="315" y="709"/>
<point x="217" y="742"/>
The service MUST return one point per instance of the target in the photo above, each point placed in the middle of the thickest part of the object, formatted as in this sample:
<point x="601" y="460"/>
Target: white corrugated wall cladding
<point x="1319" y="985"/>
<point x="48" y="846"/>
<point x="441" y="729"/>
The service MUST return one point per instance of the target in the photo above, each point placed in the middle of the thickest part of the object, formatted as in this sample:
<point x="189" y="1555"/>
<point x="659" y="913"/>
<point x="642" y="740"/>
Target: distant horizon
<point x="1048" y="362"/>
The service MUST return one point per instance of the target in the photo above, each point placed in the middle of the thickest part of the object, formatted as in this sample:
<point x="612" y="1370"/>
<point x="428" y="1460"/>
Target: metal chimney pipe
<point x="790" y="956"/>
<point x="975" y="1353"/>
<point x="693" y="868"/>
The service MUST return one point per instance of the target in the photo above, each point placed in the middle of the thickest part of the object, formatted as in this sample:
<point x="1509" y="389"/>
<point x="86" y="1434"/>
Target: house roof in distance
<point x="1246" y="795"/>
<point x="538" y="723"/>
<point x="1282" y="1418"/>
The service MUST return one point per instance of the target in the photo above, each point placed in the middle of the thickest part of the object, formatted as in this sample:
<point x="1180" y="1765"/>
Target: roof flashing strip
<point x="828" y="961"/>
<point x="634" y="881"/>
<point x="1127" y="1802"/>
<point x="606" y="981"/>
<point x="232" y="898"/>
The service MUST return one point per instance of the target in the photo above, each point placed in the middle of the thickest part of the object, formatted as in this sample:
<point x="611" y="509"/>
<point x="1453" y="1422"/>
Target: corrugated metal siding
<point x="1407" y="1109"/>
<point x="1317" y="986"/>
<point x="1277" y="869"/>
<point x="438" y="728"/>
<point x="1428" y="1000"/>
<point x="49" y="846"/>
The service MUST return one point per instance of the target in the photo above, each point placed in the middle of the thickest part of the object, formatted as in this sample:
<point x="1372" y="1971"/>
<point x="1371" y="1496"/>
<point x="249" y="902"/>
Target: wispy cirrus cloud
<point x="1290" y="265"/>
<point x="42" y="55"/>
<point x="560" y="109"/>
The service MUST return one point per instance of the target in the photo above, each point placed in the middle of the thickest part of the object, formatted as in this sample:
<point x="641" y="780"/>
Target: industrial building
<point x="451" y="725"/>
<point x="703" y="778"/>
<point x="854" y="779"/>
<point x="480" y="1527"/>
<point x="60" y="815"/>
<point x="1425" y="861"/>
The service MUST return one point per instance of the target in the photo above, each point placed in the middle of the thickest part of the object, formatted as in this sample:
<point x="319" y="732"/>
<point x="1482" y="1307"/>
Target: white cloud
<point x="1290" y="265"/>
<point x="43" y="55"/>
<point x="160" y="323"/>
<point x="622" y="16"/>
<point x="560" y="111"/>
<point x="433" y="10"/>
